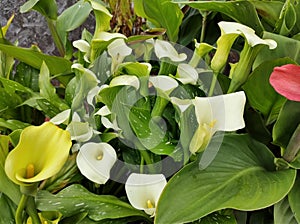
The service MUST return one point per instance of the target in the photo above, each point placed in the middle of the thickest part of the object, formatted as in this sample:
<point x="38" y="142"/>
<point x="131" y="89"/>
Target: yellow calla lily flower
<point x="41" y="153"/>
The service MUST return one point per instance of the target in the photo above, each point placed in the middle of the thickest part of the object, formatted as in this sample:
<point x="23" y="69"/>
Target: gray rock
<point x="31" y="28"/>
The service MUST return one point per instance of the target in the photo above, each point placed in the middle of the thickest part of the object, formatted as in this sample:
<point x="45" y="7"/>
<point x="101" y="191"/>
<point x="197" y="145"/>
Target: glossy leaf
<point x="72" y="18"/>
<point x="293" y="197"/>
<point x="269" y="10"/>
<point x="161" y="13"/>
<point x="27" y="76"/>
<point x="13" y="124"/>
<point x="287" y="19"/>
<point x="280" y="51"/>
<point x="8" y="209"/>
<point x="76" y="198"/>
<point x="7" y="187"/>
<point x="242" y="176"/>
<point x="283" y="213"/>
<point x="222" y="217"/>
<point x="57" y="65"/>
<point x="288" y="120"/>
<point x="243" y="12"/>
<point x="261" y="94"/>
<point x="47" y="8"/>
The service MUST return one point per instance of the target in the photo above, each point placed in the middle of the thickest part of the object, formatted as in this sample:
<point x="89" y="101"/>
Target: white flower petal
<point x="125" y="80"/>
<point x="141" y="188"/>
<point x="91" y="95"/>
<point x="108" y="124"/>
<point x="187" y="74"/>
<point x="164" y="49"/>
<point x="180" y="103"/>
<point x="103" y="111"/>
<point x="223" y="113"/>
<point x="118" y="48"/>
<point x="164" y="83"/>
<point x="106" y="36"/>
<point x="85" y="71"/>
<point x="80" y="131"/>
<point x="249" y="34"/>
<point x="82" y="45"/>
<point x="95" y="161"/>
<point x="61" y="117"/>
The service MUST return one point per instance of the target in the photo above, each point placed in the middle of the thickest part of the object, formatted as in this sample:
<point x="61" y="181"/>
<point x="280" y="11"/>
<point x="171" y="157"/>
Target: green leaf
<point x="281" y="51"/>
<point x="47" y="8"/>
<point x="287" y="122"/>
<point x="27" y="76"/>
<point x="286" y="20"/>
<point x="56" y="65"/>
<point x="269" y="10"/>
<point x="102" y="16"/>
<point x="72" y="18"/>
<point x="48" y="91"/>
<point x="293" y="197"/>
<point x="242" y="176"/>
<point x="9" y="188"/>
<point x="13" y="124"/>
<point x="283" y="213"/>
<point x="163" y="14"/>
<point x="241" y="11"/>
<point x="76" y="198"/>
<point x="7" y="208"/>
<point x="222" y="217"/>
<point x="11" y="86"/>
<point x="261" y="94"/>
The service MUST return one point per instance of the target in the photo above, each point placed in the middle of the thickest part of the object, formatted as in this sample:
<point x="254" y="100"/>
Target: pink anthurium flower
<point x="286" y="81"/>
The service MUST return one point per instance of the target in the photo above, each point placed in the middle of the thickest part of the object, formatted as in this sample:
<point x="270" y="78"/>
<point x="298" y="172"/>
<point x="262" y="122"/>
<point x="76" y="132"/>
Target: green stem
<point x="20" y="209"/>
<point x="293" y="147"/>
<point x="56" y="38"/>
<point x="159" y="106"/>
<point x="203" y="28"/>
<point x="142" y="164"/>
<point x="146" y="156"/>
<point x="213" y="84"/>
<point x="31" y="210"/>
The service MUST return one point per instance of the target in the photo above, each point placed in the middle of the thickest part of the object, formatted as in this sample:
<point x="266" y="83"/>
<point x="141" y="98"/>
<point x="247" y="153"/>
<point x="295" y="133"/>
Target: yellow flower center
<point x="100" y="156"/>
<point x="30" y="171"/>
<point x="149" y="204"/>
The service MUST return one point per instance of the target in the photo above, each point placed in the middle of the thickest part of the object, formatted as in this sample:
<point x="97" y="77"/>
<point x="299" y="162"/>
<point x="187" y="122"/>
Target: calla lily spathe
<point x="41" y="153"/>
<point x="164" y="49"/>
<point x="143" y="191"/>
<point x="95" y="161"/>
<point x="286" y="81"/>
<point x="217" y="113"/>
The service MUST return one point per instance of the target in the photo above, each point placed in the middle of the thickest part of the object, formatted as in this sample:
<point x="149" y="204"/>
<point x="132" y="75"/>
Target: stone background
<point x="31" y="27"/>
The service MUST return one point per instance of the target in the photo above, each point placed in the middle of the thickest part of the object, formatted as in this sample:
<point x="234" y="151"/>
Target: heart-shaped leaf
<point x="242" y="176"/>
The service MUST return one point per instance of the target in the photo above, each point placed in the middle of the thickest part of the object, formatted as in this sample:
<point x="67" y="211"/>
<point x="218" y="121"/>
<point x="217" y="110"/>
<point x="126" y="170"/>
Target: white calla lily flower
<point x="217" y="113"/>
<point x="95" y="161"/>
<point x="247" y="32"/>
<point x="106" y="36"/>
<point x="187" y="74"/>
<point x="80" y="131"/>
<point x="164" y="49"/>
<point x="125" y="80"/>
<point x="163" y="84"/>
<point x="118" y="50"/>
<point x="143" y="191"/>
<point x="61" y="118"/>
<point x="103" y="111"/>
<point x="84" y="47"/>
